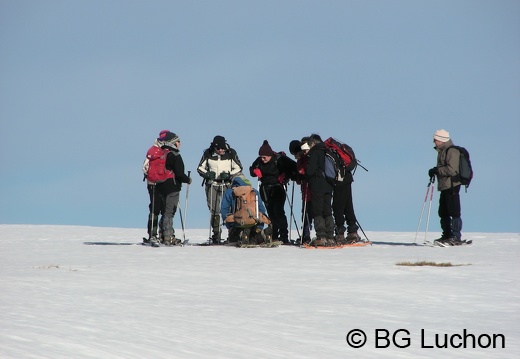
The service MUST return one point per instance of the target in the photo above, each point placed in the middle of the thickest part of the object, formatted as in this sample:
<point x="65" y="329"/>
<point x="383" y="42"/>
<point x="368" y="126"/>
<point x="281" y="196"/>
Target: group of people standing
<point x="326" y="206"/>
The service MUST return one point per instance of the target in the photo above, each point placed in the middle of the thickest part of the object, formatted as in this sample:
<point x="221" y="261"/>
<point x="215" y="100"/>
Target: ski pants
<point x="274" y="199"/>
<point x="322" y="212"/>
<point x="155" y="210"/>
<point x="171" y="202"/>
<point x="449" y="213"/>
<point x="343" y="208"/>
<point x="214" y="193"/>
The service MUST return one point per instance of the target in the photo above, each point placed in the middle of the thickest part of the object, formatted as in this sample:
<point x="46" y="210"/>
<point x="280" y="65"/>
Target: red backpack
<point x="157" y="171"/>
<point x="344" y="152"/>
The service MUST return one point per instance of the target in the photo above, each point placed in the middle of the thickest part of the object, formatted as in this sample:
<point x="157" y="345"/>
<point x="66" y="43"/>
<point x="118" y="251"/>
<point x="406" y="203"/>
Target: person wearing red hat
<point x="274" y="170"/>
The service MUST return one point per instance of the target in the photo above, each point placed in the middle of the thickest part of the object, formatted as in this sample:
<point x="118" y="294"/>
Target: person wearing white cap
<point x="448" y="185"/>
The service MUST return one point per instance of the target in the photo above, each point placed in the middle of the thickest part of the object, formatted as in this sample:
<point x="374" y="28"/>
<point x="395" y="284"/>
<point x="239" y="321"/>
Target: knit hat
<point x="295" y="147"/>
<point x="162" y="134"/>
<point x="168" y="137"/>
<point x="219" y="142"/>
<point x="265" y="149"/>
<point x="441" y="135"/>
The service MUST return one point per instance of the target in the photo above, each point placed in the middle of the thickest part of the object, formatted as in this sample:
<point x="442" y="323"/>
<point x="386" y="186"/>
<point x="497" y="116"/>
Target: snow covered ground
<point x="63" y="298"/>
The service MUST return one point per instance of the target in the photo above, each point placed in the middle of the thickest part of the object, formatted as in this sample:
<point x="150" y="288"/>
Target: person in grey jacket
<point x="446" y="172"/>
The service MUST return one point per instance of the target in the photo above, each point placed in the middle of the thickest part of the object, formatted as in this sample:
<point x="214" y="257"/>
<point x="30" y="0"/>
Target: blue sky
<point x="86" y="86"/>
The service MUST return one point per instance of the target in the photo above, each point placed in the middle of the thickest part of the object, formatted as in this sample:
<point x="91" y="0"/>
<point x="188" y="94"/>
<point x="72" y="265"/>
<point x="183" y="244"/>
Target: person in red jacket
<point x="165" y="175"/>
<point x="274" y="171"/>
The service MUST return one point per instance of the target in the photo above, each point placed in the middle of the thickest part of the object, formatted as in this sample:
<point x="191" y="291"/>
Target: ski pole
<point x="304" y="217"/>
<point x="429" y="208"/>
<point x="221" y="195"/>
<point x="186" y="209"/>
<point x="152" y="214"/>
<point x="182" y="224"/>
<point x="362" y="231"/>
<point x="211" y="210"/>
<point x="290" y="223"/>
<point x="292" y="214"/>
<point x="422" y="211"/>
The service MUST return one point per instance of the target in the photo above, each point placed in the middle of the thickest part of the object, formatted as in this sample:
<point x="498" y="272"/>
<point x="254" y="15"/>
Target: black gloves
<point x="225" y="176"/>
<point x="433" y="171"/>
<point x="210" y="175"/>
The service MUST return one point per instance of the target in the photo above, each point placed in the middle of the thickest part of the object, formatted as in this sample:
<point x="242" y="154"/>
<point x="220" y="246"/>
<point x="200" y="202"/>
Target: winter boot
<point x="352" y="238"/>
<point x="319" y="242"/>
<point x="154" y="241"/>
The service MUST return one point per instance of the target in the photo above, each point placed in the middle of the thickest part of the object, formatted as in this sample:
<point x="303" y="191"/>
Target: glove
<point x="224" y="176"/>
<point x="190" y="180"/>
<point x="433" y="171"/>
<point x="257" y="172"/>
<point x="281" y="178"/>
<point x="210" y="175"/>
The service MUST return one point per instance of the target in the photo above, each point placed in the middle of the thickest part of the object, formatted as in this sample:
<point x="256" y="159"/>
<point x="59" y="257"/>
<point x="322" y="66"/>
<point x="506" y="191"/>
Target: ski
<point x="357" y="244"/>
<point x="444" y="245"/>
<point x="146" y="242"/>
<point x="273" y="244"/>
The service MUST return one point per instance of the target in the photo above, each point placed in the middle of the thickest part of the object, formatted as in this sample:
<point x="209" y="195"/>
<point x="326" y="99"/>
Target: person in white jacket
<point x="218" y="165"/>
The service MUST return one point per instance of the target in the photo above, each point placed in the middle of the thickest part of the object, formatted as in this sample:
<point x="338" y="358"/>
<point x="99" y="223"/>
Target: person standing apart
<point x="449" y="186"/>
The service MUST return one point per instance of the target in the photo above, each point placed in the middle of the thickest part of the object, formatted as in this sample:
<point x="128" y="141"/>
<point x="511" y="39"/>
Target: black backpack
<point x="465" y="174"/>
<point x="332" y="171"/>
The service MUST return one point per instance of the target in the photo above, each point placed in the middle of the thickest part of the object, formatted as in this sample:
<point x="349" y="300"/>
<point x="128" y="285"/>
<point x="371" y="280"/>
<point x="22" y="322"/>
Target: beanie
<point x="295" y="147"/>
<point x="168" y="137"/>
<point x="219" y="142"/>
<point x="162" y="134"/>
<point x="441" y="135"/>
<point x="265" y="149"/>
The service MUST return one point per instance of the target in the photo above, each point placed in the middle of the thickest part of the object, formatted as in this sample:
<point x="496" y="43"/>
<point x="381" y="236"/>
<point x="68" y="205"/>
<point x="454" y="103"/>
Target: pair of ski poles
<point x="429" y="191"/>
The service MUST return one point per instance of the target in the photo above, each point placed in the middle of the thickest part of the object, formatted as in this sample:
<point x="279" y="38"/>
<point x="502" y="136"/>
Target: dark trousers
<point x="449" y="212"/>
<point x="155" y="210"/>
<point x="307" y="219"/>
<point x="322" y="214"/>
<point x="274" y="199"/>
<point x="343" y="208"/>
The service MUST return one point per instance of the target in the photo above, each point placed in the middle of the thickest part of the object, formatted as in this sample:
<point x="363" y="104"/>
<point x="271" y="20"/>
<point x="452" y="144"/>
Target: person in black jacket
<point x="321" y="191"/>
<point x="170" y="188"/>
<point x="274" y="170"/>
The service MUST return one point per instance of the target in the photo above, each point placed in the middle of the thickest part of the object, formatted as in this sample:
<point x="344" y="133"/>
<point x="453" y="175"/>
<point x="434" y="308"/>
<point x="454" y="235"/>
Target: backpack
<point x="332" y="169"/>
<point x="246" y="213"/>
<point x="344" y="152"/>
<point x="157" y="171"/>
<point x="465" y="173"/>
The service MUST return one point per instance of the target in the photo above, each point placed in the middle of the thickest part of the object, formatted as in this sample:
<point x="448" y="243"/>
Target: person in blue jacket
<point x="248" y="228"/>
